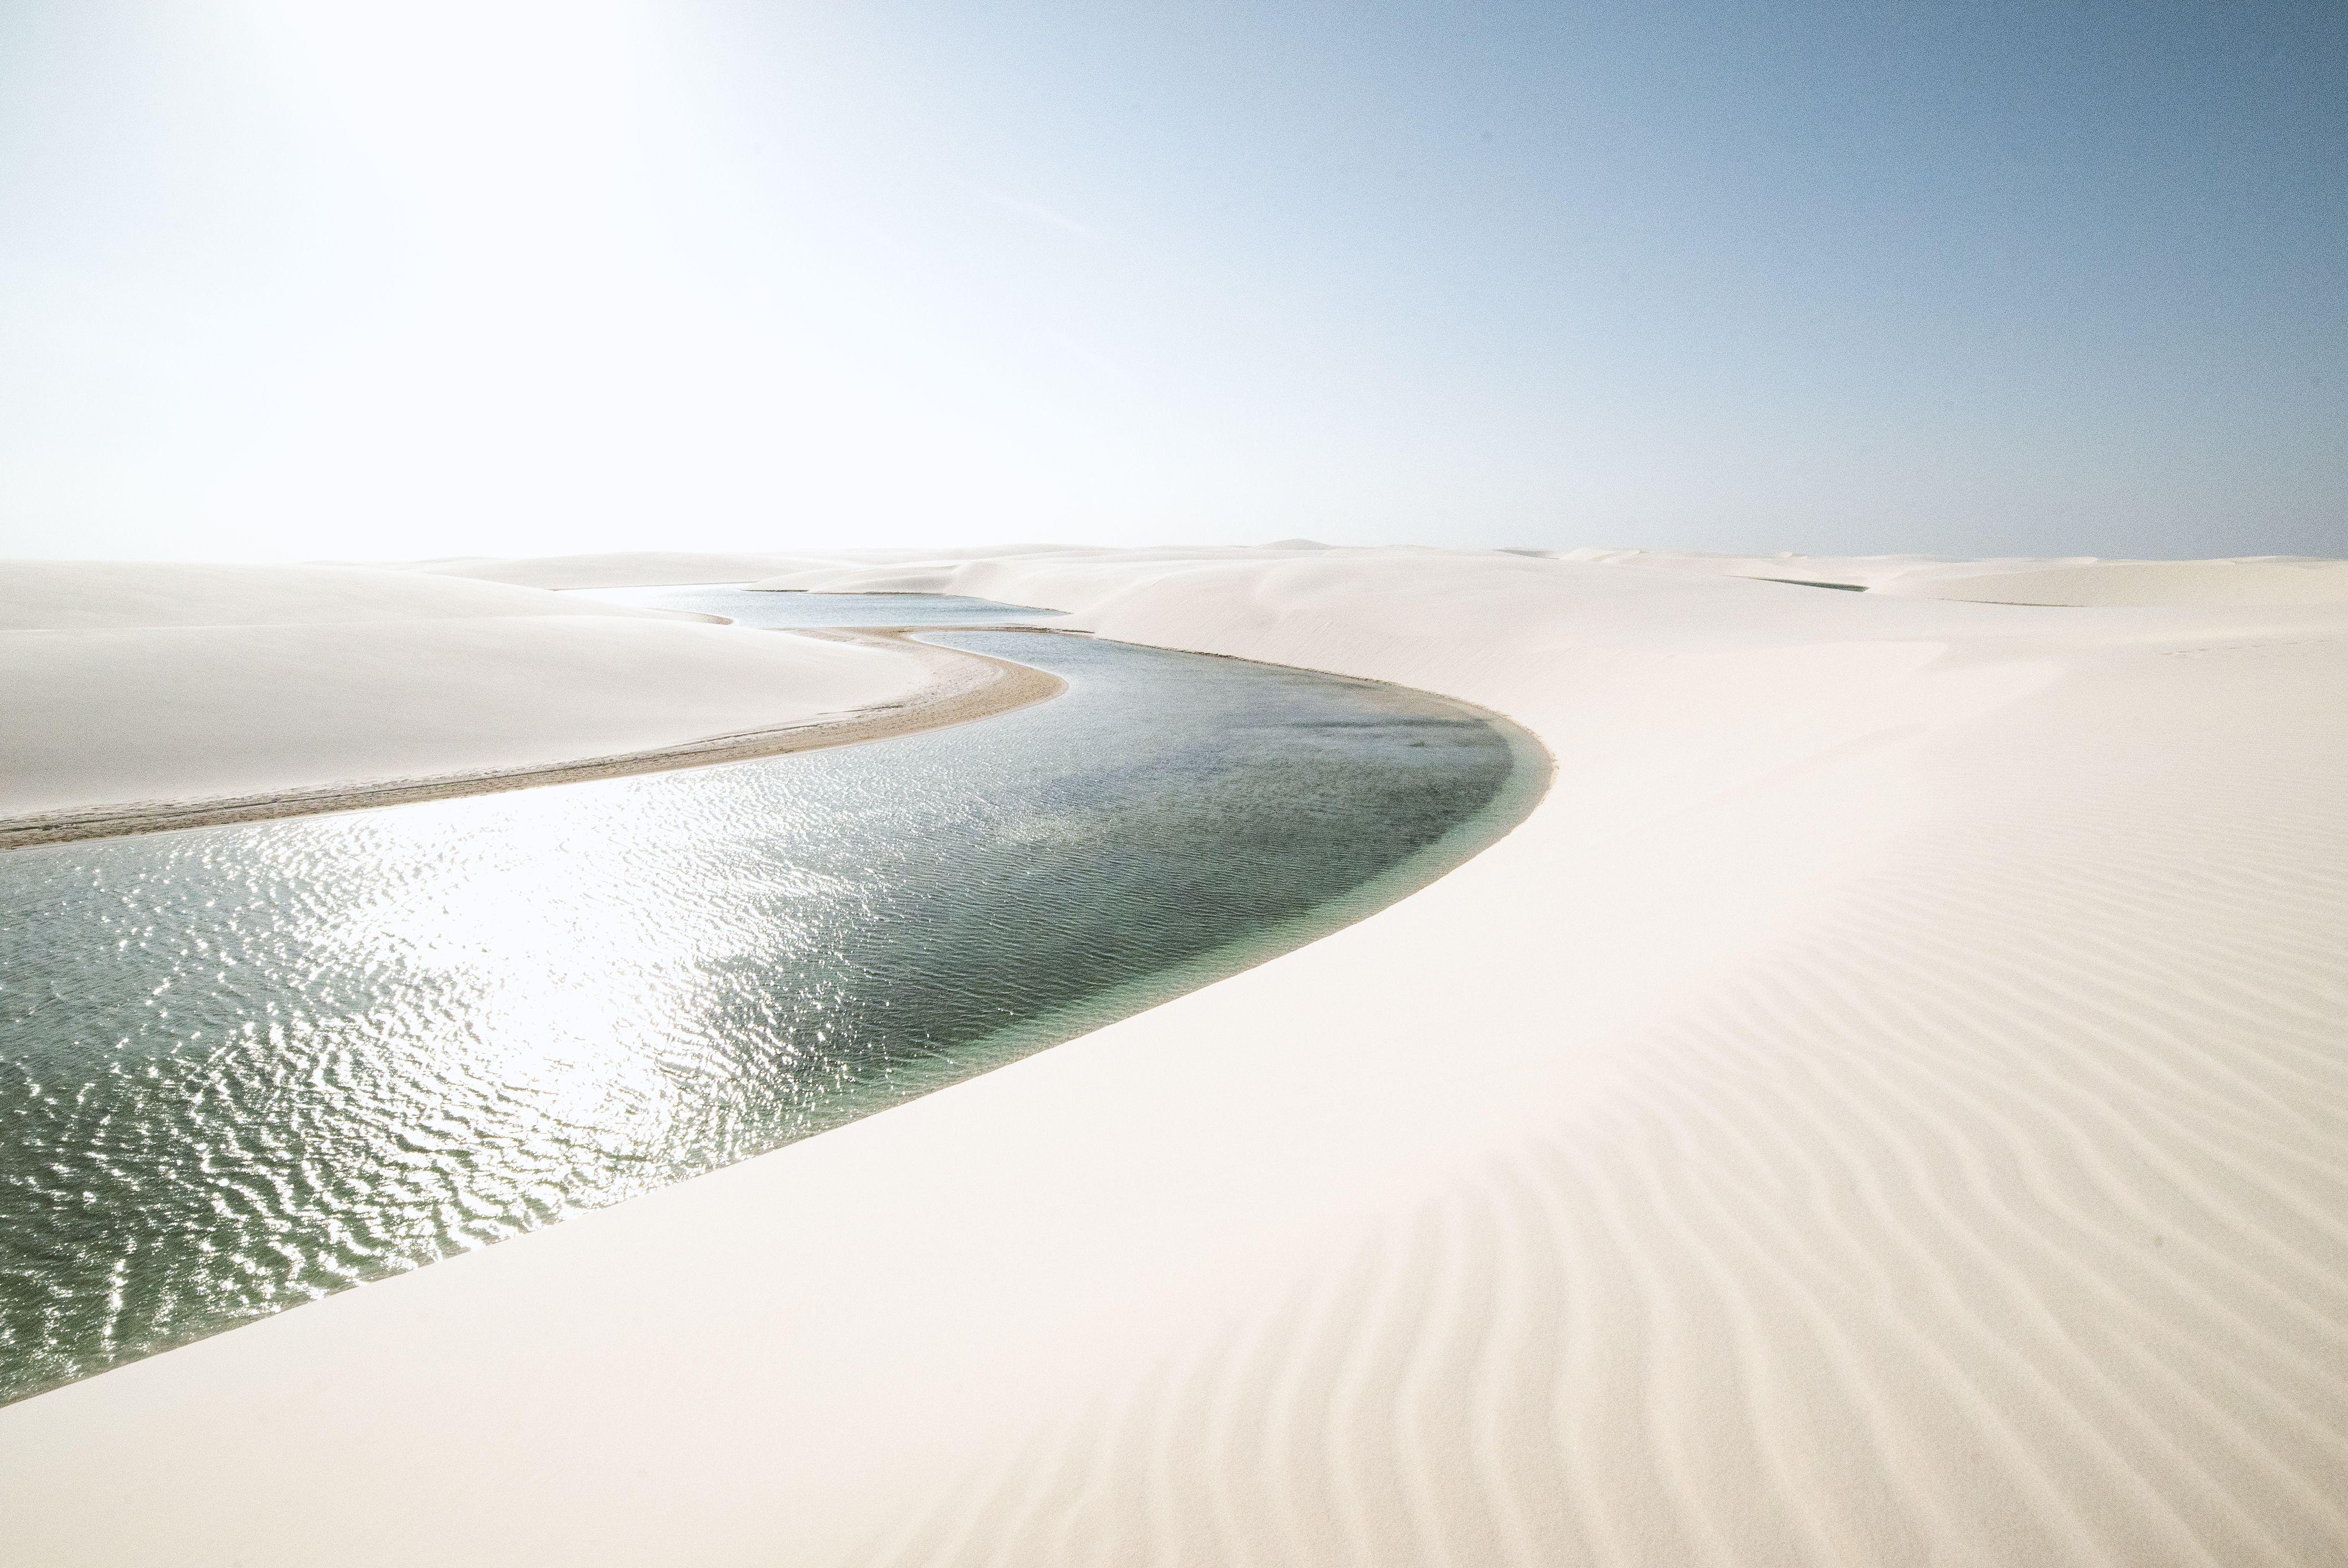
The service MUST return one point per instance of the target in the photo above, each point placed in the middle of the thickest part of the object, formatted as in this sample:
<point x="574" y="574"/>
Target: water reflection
<point x="243" y="1066"/>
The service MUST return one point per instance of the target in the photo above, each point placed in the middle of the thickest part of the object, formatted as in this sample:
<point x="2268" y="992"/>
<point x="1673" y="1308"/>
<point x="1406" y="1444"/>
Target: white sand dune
<point x="86" y="596"/>
<point x="133" y="685"/>
<point x="2078" y="580"/>
<point x="2144" y="583"/>
<point x="648" y="569"/>
<point x="1887" y="1105"/>
<point x="654" y="569"/>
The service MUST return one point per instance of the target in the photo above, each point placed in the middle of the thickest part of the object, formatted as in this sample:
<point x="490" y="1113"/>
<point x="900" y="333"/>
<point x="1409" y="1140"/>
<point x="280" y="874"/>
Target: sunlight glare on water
<point x="241" y="1067"/>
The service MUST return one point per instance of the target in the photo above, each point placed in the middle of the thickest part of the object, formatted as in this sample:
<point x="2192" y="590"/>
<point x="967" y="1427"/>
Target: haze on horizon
<point x="285" y="281"/>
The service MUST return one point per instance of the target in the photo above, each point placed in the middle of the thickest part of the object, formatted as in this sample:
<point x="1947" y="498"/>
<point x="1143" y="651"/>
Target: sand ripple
<point x="2002" y="1216"/>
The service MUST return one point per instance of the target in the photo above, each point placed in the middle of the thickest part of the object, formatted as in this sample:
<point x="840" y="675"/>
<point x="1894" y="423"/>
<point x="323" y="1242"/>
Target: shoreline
<point x="969" y="687"/>
<point x="1871" y="1107"/>
<point x="1020" y="812"/>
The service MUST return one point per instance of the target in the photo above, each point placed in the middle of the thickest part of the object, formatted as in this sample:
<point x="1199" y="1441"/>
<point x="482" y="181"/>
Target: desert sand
<point x="1888" y="1104"/>
<point x="144" y="697"/>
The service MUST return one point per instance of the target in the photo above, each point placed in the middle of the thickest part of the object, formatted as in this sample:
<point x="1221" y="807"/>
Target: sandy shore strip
<point x="1884" y="1105"/>
<point x="964" y="687"/>
<point x="145" y="696"/>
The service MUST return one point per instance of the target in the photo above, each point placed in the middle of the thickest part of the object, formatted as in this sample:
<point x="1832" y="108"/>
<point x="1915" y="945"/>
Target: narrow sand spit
<point x="1888" y="1104"/>
<point x="963" y="687"/>
<point x="146" y="698"/>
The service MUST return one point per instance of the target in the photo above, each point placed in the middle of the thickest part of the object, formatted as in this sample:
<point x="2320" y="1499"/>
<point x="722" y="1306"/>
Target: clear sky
<point x="317" y="278"/>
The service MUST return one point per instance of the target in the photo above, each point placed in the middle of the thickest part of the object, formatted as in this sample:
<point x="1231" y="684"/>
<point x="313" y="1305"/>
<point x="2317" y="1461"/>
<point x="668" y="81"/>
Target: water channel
<point x="241" y="1067"/>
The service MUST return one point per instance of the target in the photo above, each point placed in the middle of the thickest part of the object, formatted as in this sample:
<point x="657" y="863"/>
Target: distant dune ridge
<point x="2081" y="580"/>
<point x="1887" y="1105"/>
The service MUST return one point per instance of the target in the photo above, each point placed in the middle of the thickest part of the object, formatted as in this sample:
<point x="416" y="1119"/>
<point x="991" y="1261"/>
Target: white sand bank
<point x="1887" y="1105"/>
<point x="133" y="686"/>
<point x="86" y="596"/>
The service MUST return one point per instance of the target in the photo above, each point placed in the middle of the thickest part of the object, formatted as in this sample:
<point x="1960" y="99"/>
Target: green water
<point x="241" y="1067"/>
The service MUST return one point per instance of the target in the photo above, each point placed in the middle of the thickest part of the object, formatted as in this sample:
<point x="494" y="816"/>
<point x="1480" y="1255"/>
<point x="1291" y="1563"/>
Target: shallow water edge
<point x="244" y="1067"/>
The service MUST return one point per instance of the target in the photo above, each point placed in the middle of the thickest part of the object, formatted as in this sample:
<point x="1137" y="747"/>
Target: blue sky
<point x="286" y="280"/>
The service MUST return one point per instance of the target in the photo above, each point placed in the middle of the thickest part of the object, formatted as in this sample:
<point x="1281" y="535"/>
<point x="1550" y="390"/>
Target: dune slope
<point x="1886" y="1105"/>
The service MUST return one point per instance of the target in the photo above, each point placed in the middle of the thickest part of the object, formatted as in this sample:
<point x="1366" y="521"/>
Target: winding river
<point x="241" y="1067"/>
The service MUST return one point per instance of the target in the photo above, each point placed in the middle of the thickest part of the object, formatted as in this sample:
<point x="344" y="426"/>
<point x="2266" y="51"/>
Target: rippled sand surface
<point x="242" y="1067"/>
